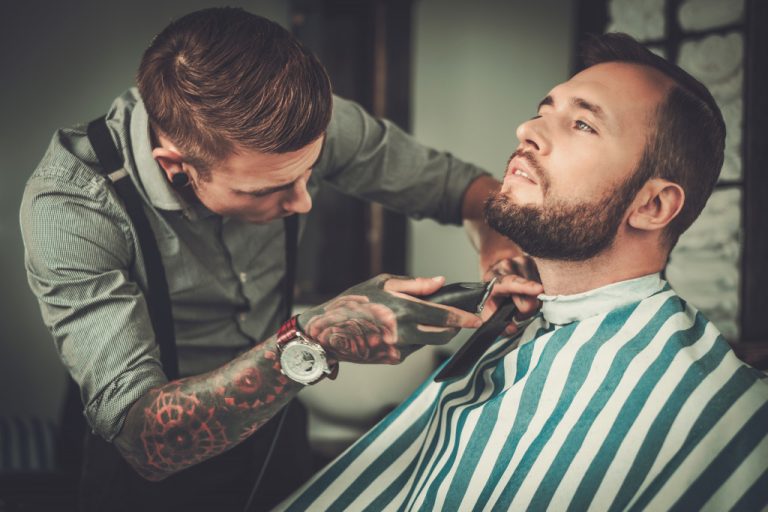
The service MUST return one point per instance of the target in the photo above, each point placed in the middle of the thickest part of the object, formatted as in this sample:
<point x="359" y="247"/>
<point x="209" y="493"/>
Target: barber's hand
<point x="523" y="266"/>
<point x="380" y="320"/>
<point x="519" y="279"/>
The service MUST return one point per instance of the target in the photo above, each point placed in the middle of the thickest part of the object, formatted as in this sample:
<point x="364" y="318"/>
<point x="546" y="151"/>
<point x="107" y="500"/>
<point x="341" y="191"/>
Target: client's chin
<point x="555" y="231"/>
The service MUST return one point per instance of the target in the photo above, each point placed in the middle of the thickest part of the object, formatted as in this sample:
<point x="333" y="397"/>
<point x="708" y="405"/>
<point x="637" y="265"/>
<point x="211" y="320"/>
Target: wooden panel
<point x="365" y="46"/>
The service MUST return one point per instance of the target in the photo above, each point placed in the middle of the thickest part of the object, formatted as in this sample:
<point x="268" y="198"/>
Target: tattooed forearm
<point x="190" y="420"/>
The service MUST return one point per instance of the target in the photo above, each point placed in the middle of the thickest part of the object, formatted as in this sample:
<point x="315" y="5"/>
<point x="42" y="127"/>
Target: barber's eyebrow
<point x="268" y="190"/>
<point x="580" y="103"/>
<point x="279" y="188"/>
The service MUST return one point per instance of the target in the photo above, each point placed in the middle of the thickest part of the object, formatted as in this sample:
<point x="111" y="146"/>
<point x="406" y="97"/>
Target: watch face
<point x="301" y="362"/>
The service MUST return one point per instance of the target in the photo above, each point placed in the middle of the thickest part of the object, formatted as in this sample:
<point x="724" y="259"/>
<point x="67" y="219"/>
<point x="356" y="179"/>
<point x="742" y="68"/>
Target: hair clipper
<point x="469" y="297"/>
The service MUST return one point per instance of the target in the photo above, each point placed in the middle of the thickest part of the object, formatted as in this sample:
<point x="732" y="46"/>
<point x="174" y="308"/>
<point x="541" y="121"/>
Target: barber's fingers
<point x="415" y="285"/>
<point x="512" y="328"/>
<point x="426" y="313"/>
<point x="517" y="285"/>
<point x="526" y="267"/>
<point x="526" y="305"/>
<point x="519" y="265"/>
<point x="500" y="268"/>
<point x="523" y="292"/>
<point x="433" y="337"/>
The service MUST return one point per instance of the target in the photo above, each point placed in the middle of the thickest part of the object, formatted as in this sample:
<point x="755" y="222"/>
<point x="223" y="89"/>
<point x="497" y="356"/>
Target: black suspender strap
<point x="158" y="297"/>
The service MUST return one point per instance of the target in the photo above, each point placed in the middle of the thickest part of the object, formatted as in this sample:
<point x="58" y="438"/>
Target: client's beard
<point x="560" y="230"/>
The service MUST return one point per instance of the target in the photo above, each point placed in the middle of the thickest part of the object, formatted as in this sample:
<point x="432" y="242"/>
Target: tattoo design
<point x="179" y="428"/>
<point x="367" y="324"/>
<point x="355" y="328"/>
<point x="190" y="420"/>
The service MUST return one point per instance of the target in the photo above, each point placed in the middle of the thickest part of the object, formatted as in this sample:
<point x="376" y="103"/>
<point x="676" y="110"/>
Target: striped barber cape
<point x="621" y="398"/>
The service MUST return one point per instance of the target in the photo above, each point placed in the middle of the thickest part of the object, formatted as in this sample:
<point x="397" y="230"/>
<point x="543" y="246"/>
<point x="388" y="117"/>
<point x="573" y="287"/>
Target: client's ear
<point x="657" y="203"/>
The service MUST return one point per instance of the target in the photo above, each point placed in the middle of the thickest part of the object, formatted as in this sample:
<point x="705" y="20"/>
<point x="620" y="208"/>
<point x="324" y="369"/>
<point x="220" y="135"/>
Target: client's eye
<point x="584" y="127"/>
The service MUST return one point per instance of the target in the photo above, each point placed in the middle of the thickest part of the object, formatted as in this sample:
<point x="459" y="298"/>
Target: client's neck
<point x="561" y="277"/>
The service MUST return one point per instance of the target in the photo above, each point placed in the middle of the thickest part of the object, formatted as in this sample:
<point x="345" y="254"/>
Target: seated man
<point x="618" y="395"/>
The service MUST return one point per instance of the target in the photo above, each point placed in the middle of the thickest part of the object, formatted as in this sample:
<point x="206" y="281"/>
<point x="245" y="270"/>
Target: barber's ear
<point x="170" y="160"/>
<point x="657" y="203"/>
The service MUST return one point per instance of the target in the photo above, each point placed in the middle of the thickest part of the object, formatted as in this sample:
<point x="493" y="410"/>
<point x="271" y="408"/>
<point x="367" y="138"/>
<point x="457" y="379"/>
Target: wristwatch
<point x="302" y="359"/>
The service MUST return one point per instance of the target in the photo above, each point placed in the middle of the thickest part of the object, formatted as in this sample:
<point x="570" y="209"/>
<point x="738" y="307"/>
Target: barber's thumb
<point x="526" y="305"/>
<point x="416" y="286"/>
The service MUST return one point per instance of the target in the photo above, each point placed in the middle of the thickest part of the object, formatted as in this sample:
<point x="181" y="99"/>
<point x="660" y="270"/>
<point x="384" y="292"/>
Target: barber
<point x="231" y="129"/>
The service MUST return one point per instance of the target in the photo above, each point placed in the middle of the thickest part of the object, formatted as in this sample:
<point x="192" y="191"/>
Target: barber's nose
<point x="532" y="135"/>
<point x="298" y="200"/>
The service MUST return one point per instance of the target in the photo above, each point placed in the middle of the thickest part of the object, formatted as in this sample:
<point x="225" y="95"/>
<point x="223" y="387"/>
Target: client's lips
<point x="519" y="168"/>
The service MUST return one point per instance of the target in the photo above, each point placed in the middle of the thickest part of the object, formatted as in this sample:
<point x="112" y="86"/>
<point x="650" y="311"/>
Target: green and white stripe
<point x="640" y="407"/>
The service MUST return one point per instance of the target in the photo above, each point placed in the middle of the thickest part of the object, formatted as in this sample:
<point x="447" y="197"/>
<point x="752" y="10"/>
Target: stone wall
<point x="705" y="265"/>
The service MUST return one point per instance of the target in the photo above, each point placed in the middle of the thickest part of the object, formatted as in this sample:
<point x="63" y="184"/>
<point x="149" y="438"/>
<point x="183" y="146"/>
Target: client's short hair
<point x="687" y="140"/>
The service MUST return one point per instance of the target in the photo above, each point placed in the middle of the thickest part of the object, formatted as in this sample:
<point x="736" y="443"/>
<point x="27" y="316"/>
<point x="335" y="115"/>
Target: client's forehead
<point x="626" y="93"/>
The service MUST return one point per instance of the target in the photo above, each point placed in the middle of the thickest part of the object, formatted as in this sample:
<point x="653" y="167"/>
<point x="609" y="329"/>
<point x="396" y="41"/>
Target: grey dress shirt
<point x="224" y="275"/>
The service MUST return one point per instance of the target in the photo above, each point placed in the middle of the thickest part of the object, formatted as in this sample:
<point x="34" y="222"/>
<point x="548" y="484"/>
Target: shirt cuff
<point x="107" y="412"/>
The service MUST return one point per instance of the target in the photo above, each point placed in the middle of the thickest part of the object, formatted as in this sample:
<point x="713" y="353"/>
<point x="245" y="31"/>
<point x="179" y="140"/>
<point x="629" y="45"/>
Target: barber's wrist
<point x="302" y="358"/>
<point x="475" y="195"/>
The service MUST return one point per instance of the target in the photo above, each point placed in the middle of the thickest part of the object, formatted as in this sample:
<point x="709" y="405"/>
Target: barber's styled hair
<point x="687" y="143"/>
<point x="221" y="78"/>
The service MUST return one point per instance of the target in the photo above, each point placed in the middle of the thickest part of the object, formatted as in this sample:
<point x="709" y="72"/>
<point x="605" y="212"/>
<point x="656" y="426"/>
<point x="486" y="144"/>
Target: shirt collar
<point x="563" y="309"/>
<point x="151" y="176"/>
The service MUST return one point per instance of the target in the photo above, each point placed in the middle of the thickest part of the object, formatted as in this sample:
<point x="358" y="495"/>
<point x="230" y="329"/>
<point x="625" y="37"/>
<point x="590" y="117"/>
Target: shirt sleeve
<point x="78" y="252"/>
<point x="375" y="160"/>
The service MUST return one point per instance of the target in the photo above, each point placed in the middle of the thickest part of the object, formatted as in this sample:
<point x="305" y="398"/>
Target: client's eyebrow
<point x="580" y="103"/>
<point x="548" y="101"/>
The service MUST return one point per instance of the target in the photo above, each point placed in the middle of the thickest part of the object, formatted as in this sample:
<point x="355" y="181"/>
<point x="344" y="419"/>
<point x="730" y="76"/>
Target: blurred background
<point x="458" y="75"/>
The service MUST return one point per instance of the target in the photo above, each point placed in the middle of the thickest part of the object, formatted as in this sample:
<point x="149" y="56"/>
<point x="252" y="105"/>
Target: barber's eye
<point x="584" y="127"/>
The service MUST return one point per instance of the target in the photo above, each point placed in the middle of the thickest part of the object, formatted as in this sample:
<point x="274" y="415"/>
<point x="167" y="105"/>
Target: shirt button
<point x="243" y="317"/>
<point x="243" y="277"/>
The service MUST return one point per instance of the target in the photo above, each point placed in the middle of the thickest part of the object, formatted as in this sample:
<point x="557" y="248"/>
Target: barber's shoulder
<point x="347" y="113"/>
<point x="68" y="166"/>
<point x="70" y="159"/>
<point x="350" y="131"/>
<point x="67" y="186"/>
<point x="67" y="212"/>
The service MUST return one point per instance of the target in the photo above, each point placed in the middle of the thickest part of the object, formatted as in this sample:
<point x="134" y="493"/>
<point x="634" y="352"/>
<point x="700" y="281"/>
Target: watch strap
<point x="290" y="330"/>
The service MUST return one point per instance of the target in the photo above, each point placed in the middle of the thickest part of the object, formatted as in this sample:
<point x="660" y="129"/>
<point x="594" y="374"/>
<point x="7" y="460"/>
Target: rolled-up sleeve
<point x="78" y="252"/>
<point x="375" y="160"/>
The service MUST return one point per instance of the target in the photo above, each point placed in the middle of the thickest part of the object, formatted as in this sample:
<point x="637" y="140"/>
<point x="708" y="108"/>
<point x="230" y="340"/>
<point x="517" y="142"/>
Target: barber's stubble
<point x="560" y="229"/>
